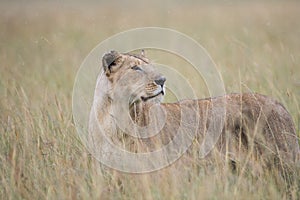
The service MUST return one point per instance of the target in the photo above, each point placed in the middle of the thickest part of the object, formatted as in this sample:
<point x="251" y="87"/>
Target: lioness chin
<point x="254" y="125"/>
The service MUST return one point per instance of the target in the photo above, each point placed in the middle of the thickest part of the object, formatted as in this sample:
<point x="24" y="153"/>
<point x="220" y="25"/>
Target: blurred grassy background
<point x="255" y="45"/>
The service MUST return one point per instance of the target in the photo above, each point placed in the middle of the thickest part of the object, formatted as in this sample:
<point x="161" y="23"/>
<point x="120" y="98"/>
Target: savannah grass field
<point x="256" y="47"/>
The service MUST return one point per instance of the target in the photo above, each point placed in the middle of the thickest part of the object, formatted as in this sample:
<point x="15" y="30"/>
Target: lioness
<point x="254" y="124"/>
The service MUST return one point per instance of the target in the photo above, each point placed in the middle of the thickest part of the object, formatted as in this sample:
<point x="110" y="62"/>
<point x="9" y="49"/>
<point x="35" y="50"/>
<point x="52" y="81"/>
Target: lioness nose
<point x="160" y="81"/>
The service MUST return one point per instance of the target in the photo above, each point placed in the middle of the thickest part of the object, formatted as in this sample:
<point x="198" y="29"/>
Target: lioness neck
<point x="102" y="99"/>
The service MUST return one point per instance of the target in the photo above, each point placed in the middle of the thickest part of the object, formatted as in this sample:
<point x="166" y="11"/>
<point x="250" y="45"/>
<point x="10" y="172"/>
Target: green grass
<point x="256" y="47"/>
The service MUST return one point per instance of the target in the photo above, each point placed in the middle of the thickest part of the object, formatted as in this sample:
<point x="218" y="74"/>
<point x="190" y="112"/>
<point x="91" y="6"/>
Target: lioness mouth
<point x="150" y="97"/>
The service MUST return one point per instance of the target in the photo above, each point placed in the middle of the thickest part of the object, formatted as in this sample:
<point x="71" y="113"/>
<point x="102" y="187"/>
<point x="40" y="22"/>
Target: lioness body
<point x="252" y="122"/>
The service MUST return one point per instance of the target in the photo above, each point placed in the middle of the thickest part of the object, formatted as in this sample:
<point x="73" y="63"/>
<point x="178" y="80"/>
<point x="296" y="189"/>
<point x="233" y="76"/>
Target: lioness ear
<point x="108" y="60"/>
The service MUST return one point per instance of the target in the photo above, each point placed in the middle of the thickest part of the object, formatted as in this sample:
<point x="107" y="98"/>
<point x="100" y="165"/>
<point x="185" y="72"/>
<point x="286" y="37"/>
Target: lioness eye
<point x="137" y="68"/>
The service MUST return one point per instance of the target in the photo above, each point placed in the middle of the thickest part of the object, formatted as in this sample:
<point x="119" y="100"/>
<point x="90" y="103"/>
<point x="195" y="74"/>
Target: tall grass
<point x="255" y="45"/>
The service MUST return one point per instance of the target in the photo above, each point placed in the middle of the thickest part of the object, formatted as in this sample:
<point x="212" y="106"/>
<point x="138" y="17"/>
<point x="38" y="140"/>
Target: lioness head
<point x="134" y="76"/>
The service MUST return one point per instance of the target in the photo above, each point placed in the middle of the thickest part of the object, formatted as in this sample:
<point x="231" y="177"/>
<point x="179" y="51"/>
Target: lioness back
<point x="259" y="123"/>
